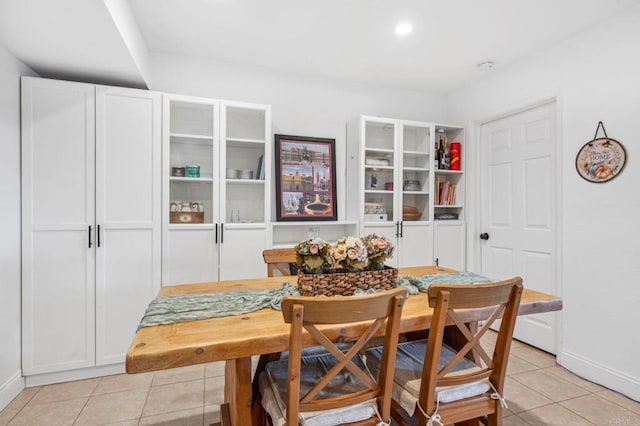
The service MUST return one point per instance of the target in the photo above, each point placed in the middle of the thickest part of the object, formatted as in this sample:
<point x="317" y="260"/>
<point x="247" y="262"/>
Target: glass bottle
<point x="446" y="157"/>
<point x="441" y="153"/>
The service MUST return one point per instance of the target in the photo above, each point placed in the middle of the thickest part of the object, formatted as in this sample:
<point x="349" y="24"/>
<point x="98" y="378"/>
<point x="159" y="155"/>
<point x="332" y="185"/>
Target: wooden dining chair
<point x="225" y="414"/>
<point x="437" y="385"/>
<point x="282" y="260"/>
<point x="335" y="387"/>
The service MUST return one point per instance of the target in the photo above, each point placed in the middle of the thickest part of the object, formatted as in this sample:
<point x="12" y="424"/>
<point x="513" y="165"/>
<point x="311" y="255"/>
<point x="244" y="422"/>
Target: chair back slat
<point x="324" y="310"/>
<point x="472" y="296"/>
<point x="279" y="259"/>
<point x="381" y="309"/>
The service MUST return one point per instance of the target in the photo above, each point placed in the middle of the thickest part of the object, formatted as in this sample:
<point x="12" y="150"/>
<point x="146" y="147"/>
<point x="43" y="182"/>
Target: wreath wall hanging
<point x="601" y="159"/>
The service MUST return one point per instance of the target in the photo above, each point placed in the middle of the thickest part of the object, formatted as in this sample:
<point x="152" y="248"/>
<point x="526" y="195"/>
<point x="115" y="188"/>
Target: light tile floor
<point x="538" y="392"/>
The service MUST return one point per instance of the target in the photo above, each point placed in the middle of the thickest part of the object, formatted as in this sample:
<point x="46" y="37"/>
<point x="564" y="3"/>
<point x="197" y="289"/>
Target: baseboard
<point x="68" y="376"/>
<point x="602" y="375"/>
<point x="10" y="389"/>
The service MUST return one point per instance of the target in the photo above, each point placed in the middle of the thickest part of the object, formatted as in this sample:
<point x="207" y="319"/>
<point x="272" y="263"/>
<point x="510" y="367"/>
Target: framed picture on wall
<point x="305" y="178"/>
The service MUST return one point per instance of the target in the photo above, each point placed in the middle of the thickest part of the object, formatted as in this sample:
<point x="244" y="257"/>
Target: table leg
<point x="237" y="389"/>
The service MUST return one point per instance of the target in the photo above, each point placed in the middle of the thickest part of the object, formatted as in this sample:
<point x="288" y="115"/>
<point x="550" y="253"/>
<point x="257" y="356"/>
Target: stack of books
<point x="446" y="193"/>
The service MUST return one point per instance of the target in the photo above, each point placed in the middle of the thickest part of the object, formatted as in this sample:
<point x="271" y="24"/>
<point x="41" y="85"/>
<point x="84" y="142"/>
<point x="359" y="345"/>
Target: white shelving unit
<point x="449" y="234"/>
<point x="393" y="185"/>
<point x="231" y="209"/>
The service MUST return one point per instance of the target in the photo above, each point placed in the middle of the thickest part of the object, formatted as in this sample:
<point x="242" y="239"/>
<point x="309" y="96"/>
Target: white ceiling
<point x="351" y="40"/>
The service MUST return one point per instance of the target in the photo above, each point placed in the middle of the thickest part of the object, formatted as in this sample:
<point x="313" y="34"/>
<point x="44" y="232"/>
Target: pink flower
<point x="381" y="244"/>
<point x="352" y="253"/>
<point x="314" y="249"/>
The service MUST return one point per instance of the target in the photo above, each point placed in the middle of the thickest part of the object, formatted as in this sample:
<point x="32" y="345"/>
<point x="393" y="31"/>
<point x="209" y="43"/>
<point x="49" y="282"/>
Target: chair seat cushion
<point x="408" y="373"/>
<point x="273" y="386"/>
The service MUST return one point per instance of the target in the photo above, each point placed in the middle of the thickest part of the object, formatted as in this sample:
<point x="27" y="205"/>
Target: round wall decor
<point x="601" y="159"/>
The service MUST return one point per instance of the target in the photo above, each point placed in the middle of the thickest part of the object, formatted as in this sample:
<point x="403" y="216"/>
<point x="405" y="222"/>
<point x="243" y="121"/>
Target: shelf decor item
<point x="177" y="171"/>
<point x="186" y="217"/>
<point x="348" y="265"/>
<point x="192" y="171"/>
<point x="600" y="159"/>
<point x="454" y="153"/>
<point x="305" y="178"/>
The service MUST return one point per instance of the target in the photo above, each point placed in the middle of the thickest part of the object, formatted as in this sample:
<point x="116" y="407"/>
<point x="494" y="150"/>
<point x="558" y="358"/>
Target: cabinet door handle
<point x="401" y="228"/>
<point x="221" y="233"/>
<point x="397" y="229"/>
<point x="437" y="261"/>
<point x="216" y="234"/>
<point x="90" y="242"/>
<point x="484" y="236"/>
<point x="98" y="235"/>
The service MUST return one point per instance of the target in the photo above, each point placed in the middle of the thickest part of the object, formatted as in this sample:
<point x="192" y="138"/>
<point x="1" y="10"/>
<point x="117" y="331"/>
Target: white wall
<point x="303" y="106"/>
<point x="597" y="75"/>
<point x="11" y="382"/>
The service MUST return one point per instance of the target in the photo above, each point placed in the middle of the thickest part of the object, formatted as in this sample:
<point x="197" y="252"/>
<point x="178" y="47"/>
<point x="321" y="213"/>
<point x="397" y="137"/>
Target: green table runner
<point x="173" y="309"/>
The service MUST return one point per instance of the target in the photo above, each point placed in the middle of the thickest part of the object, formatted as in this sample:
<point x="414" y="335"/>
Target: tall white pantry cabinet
<point x="91" y="224"/>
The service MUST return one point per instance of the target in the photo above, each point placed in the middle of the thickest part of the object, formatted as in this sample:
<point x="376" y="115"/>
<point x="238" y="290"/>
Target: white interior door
<point x="519" y="175"/>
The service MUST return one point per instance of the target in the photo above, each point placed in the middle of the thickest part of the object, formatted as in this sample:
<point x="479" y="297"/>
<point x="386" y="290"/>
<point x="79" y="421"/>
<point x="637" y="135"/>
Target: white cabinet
<point x="90" y="221"/>
<point x="449" y="211"/>
<point x="395" y="189"/>
<point x="217" y="157"/>
<point x="449" y="184"/>
<point x="389" y="175"/>
<point x="449" y="244"/>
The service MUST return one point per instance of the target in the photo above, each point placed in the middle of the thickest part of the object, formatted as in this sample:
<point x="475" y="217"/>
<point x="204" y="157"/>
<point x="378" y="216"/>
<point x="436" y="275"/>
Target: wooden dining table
<point x="235" y="339"/>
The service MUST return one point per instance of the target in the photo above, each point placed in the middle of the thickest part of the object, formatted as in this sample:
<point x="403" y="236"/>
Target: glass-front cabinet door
<point x="415" y="179"/>
<point x="380" y="167"/>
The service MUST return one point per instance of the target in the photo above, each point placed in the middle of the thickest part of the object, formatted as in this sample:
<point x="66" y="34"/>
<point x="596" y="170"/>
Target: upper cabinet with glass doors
<point x="389" y="175"/>
<point x="246" y="150"/>
<point x="390" y="170"/>
<point x="191" y="168"/>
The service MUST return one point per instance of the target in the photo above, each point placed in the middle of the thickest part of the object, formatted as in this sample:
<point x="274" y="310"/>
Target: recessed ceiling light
<point x="486" y="65"/>
<point x="403" y="28"/>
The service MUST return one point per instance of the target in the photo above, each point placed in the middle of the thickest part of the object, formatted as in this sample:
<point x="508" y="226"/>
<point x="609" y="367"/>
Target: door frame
<point x="474" y="185"/>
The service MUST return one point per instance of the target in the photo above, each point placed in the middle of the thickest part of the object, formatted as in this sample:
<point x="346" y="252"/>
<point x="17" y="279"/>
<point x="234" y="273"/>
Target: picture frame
<point x="305" y="178"/>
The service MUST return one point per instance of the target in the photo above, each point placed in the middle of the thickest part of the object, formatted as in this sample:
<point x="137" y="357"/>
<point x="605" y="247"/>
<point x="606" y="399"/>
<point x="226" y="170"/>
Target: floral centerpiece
<point x="311" y="255"/>
<point x="349" y="253"/>
<point x="379" y="249"/>
<point x="344" y="266"/>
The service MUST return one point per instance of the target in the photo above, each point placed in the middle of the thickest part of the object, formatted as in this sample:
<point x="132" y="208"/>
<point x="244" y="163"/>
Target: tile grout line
<point x="577" y="414"/>
<point x="87" y="401"/>
<point x="204" y="394"/>
<point x="146" y="399"/>
<point x="25" y="404"/>
<point x="561" y="406"/>
<point x="614" y="402"/>
<point x="575" y="375"/>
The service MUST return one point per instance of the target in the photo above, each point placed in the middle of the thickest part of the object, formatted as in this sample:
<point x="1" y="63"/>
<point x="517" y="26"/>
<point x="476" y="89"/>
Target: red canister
<point x="454" y="155"/>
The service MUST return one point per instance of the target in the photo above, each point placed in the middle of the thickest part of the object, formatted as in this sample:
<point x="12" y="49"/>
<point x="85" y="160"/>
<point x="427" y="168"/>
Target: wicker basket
<point x="345" y="283"/>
